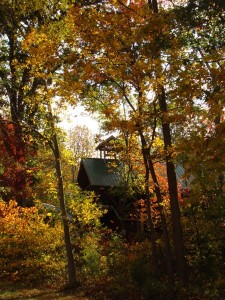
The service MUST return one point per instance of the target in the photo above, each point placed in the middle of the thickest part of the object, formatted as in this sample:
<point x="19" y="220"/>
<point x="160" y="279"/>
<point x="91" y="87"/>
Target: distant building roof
<point x="98" y="172"/>
<point x="107" y="148"/>
<point x="106" y="143"/>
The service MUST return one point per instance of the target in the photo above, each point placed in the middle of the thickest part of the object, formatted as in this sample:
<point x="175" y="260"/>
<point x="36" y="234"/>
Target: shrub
<point x="30" y="249"/>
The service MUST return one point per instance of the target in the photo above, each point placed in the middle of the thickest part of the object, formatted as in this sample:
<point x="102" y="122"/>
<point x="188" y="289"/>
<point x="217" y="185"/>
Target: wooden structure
<point x="102" y="175"/>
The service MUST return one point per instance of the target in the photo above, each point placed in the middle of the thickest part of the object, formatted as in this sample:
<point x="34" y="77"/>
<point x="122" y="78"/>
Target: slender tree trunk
<point x="69" y="251"/>
<point x="153" y="4"/>
<point x="171" y="175"/>
<point x="151" y="169"/>
<point x="169" y="264"/>
<point x="155" y="257"/>
<point x="173" y="193"/>
<point x="150" y="223"/>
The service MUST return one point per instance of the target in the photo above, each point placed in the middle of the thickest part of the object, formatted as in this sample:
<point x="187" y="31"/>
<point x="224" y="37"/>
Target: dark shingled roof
<point x="98" y="172"/>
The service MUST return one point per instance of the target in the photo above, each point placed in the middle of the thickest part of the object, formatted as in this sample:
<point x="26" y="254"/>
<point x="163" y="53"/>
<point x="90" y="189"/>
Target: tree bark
<point x="150" y="168"/>
<point x="173" y="193"/>
<point x="171" y="174"/>
<point x="169" y="264"/>
<point x="69" y="250"/>
<point x="155" y="257"/>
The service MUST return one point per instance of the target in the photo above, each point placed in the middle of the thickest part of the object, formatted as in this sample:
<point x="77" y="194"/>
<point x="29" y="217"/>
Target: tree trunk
<point x="171" y="174"/>
<point x="69" y="251"/>
<point x="155" y="257"/>
<point x="151" y="169"/>
<point x="173" y="193"/>
<point x="169" y="264"/>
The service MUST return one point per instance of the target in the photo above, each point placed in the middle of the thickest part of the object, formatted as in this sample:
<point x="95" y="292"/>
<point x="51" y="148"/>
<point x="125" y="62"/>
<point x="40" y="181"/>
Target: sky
<point x="78" y="117"/>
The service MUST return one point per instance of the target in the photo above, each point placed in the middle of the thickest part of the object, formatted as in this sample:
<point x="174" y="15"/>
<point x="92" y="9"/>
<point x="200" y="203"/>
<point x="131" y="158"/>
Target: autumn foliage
<point x="16" y="176"/>
<point x="30" y="249"/>
<point x="154" y="73"/>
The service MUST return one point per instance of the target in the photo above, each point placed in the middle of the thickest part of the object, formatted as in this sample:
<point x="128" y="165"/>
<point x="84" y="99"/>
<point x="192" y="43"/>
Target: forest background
<point x="154" y="73"/>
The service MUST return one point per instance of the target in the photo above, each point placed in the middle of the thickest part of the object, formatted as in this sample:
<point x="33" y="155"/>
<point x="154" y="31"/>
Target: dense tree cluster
<point x="154" y="72"/>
